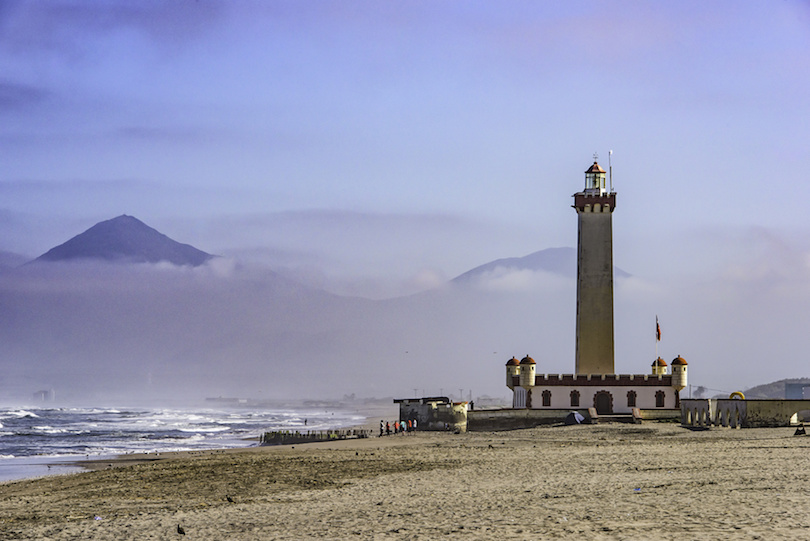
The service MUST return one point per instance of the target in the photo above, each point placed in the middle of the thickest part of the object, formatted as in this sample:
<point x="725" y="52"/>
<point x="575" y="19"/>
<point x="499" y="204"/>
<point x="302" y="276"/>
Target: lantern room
<point x="595" y="180"/>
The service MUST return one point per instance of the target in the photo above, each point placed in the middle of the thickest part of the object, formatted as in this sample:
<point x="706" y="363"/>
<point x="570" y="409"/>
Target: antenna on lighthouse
<point x="610" y="168"/>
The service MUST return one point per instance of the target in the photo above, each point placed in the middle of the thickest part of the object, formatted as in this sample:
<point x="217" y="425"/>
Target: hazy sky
<point x="371" y="139"/>
<point x="380" y="147"/>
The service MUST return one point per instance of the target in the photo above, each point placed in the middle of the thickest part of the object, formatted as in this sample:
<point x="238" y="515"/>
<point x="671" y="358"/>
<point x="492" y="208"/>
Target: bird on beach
<point x="180" y="530"/>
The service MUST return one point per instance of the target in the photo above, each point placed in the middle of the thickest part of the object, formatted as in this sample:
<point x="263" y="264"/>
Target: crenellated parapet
<point x="585" y="202"/>
<point x="545" y="380"/>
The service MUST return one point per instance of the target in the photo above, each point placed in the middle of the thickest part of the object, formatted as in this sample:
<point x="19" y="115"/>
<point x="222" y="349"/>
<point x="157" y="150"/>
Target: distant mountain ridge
<point x="562" y="261"/>
<point x="774" y="389"/>
<point x="120" y="331"/>
<point x="126" y="239"/>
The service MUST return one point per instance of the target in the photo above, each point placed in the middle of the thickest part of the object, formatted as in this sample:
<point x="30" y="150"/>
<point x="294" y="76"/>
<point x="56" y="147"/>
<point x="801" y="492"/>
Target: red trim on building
<point x="611" y="380"/>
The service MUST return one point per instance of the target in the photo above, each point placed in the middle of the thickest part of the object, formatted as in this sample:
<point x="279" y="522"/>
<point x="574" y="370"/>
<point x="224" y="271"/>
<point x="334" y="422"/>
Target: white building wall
<point x="561" y="396"/>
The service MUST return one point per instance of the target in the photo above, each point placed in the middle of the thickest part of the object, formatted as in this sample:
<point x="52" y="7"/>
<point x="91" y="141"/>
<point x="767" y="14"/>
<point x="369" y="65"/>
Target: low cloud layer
<point x="231" y="328"/>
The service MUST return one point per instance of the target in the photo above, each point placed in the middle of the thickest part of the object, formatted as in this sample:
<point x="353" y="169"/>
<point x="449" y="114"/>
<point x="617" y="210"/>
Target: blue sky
<point x="379" y="148"/>
<point x="213" y="121"/>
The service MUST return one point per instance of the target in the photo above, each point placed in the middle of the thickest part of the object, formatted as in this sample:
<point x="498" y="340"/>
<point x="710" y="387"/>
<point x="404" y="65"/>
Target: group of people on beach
<point x="399" y="427"/>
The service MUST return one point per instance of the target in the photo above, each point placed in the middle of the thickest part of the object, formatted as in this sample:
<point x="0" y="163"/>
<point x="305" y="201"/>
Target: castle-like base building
<point x="607" y="393"/>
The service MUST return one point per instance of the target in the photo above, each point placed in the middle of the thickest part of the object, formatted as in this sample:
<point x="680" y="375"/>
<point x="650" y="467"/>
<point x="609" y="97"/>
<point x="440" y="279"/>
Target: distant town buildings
<point x="48" y="395"/>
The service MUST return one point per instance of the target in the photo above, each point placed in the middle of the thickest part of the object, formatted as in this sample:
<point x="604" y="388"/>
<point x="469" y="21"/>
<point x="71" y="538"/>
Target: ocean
<point x="42" y="441"/>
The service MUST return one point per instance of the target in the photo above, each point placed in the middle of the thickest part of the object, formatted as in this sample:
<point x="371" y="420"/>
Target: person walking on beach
<point x="387" y="428"/>
<point x="382" y="427"/>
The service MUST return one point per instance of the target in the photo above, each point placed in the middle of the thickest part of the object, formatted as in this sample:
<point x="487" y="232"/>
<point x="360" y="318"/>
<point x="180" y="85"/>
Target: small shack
<point x="434" y="413"/>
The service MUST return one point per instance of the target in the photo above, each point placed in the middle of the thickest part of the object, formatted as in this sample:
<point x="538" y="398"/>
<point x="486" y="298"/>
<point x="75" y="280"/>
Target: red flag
<point x="657" y="330"/>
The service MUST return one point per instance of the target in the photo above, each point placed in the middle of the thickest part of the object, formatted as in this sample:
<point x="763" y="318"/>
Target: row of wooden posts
<point x="282" y="437"/>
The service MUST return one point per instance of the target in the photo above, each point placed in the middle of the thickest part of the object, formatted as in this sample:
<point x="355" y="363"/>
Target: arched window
<point x="546" y="398"/>
<point x="631" y="399"/>
<point x="659" y="399"/>
<point x="574" y="399"/>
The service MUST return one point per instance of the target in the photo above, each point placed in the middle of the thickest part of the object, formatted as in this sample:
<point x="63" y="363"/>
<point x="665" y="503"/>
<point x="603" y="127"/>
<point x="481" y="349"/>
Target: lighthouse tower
<point x="594" y="339"/>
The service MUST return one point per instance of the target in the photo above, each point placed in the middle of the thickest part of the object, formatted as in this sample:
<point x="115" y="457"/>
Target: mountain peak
<point x="560" y="261"/>
<point x="126" y="239"/>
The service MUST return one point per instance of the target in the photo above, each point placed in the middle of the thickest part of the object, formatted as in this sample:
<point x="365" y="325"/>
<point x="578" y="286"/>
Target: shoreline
<point x="649" y="481"/>
<point x="20" y="468"/>
<point x="117" y="461"/>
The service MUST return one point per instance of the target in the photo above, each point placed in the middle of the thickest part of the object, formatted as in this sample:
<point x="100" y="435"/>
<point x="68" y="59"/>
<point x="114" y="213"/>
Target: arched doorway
<point x="603" y="402"/>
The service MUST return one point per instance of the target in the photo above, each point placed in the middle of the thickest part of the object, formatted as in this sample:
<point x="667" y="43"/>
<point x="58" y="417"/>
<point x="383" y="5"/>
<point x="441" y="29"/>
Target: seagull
<point x="180" y="530"/>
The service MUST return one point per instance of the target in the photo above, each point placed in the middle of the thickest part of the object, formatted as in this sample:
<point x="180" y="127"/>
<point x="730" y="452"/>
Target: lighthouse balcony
<point x="583" y="199"/>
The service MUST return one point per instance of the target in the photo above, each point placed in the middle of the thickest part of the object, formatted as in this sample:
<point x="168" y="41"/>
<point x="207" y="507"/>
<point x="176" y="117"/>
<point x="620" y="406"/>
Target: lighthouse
<point x="594" y="332"/>
<point x="595" y="384"/>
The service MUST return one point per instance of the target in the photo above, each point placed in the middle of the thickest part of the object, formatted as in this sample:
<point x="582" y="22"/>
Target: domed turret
<point x="527" y="369"/>
<point x="512" y="370"/>
<point x="679" y="373"/>
<point x="659" y="367"/>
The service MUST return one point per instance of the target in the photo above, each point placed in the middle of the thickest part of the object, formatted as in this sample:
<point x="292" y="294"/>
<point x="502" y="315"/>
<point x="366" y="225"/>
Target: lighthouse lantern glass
<point x="595" y="182"/>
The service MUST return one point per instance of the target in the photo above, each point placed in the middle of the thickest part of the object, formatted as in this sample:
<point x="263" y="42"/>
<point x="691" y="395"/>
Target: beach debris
<point x="286" y="437"/>
<point x="180" y="530"/>
<point x="574" y="418"/>
<point x="96" y="517"/>
<point x="637" y="490"/>
<point x="230" y="500"/>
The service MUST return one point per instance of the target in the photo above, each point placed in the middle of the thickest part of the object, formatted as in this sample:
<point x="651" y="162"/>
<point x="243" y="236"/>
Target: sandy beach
<point x="650" y="481"/>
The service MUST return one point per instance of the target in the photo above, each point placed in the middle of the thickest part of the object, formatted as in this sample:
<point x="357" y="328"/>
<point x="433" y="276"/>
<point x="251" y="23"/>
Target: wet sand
<point x="650" y="481"/>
